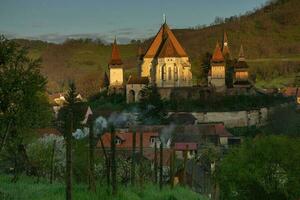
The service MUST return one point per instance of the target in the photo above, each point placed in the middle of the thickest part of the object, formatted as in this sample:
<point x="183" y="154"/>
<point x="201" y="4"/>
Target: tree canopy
<point x="265" y="168"/>
<point x="151" y="106"/>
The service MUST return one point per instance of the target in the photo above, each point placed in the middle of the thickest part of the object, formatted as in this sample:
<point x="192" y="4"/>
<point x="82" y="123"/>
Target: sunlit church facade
<point x="166" y="65"/>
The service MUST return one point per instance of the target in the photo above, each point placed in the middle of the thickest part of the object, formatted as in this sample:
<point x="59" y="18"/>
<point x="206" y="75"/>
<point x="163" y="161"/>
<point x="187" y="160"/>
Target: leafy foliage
<point x="151" y="106"/>
<point x="23" y="104"/>
<point x="264" y="168"/>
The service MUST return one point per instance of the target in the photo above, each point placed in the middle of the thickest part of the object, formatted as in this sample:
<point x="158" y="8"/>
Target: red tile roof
<point x="115" y="55"/>
<point x="185" y="146"/>
<point x="165" y="34"/>
<point x="217" y="56"/>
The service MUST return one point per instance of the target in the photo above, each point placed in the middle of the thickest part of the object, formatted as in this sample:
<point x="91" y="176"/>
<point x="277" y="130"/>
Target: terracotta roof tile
<point x="159" y="40"/>
<point x="115" y="55"/>
<point x="217" y="56"/>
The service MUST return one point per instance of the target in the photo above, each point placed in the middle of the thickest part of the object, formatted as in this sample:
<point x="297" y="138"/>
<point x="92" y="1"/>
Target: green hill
<point x="270" y="35"/>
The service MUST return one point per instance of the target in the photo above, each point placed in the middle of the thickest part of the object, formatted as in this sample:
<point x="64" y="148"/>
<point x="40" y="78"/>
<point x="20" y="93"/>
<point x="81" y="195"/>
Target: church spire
<point x="225" y="45"/>
<point x="115" y="54"/>
<point x="241" y="54"/>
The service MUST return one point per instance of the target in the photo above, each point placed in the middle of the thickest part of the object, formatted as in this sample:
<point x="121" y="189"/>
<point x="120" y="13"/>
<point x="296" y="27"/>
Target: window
<point x="153" y="140"/>
<point x="163" y="73"/>
<point x="118" y="141"/>
<point x="169" y="73"/>
<point x="175" y="72"/>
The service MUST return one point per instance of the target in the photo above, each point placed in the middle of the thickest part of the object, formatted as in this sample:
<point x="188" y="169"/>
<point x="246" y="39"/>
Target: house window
<point x="118" y="141"/>
<point x="169" y="73"/>
<point x="153" y="140"/>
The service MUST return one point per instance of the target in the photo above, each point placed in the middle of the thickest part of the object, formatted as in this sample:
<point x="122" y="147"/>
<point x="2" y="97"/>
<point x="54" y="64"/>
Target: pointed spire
<point x="225" y="45"/>
<point x="164" y="19"/>
<point x="217" y="56"/>
<point x="241" y="54"/>
<point x="115" y="54"/>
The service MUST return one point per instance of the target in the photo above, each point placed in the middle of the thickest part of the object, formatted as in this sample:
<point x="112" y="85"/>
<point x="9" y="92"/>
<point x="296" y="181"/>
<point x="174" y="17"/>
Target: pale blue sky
<point x="54" y="20"/>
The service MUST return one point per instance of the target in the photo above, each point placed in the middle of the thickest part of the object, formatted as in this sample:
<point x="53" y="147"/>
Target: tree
<point x="283" y="120"/>
<point x="264" y="168"/>
<point x="105" y="81"/>
<point x="69" y="117"/>
<point x="23" y="104"/>
<point x="151" y="106"/>
<point x="205" y="60"/>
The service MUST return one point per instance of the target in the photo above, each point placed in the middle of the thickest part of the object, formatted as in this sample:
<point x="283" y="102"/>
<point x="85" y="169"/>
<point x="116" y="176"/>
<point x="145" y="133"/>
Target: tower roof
<point x="217" y="56"/>
<point x="225" y="47"/>
<point x="241" y="54"/>
<point x="165" y="41"/>
<point x="115" y="55"/>
<point x="241" y="64"/>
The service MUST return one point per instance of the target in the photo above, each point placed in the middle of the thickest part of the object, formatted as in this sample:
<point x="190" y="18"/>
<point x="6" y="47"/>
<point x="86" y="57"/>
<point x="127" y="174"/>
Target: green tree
<point x="23" y="103"/>
<point x="264" y="168"/>
<point x="205" y="60"/>
<point x="151" y="106"/>
<point x="69" y="118"/>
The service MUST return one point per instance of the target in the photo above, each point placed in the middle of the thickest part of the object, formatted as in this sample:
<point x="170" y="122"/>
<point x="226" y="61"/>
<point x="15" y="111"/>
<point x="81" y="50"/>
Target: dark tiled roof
<point x="241" y="65"/>
<point x="138" y="80"/>
<point x="182" y="118"/>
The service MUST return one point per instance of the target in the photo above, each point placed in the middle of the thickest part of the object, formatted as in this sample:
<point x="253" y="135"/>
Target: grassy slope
<point x="26" y="189"/>
<point x="269" y="35"/>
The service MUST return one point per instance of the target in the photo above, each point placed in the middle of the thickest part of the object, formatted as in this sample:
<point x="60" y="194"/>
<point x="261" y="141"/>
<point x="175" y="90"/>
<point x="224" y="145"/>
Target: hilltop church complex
<point x="166" y="65"/>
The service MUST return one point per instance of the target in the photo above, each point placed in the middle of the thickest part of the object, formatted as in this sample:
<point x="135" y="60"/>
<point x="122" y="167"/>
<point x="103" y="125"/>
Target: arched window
<point x="163" y="73"/>
<point x="131" y="96"/>
<point x="175" y="72"/>
<point x="169" y="73"/>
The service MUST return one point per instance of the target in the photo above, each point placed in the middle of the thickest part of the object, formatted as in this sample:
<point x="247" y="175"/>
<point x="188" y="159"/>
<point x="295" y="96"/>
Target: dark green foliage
<point x="284" y="120"/>
<point x="23" y="104"/>
<point x="151" y="106"/>
<point x="108" y="102"/>
<point x="205" y="60"/>
<point x="263" y="168"/>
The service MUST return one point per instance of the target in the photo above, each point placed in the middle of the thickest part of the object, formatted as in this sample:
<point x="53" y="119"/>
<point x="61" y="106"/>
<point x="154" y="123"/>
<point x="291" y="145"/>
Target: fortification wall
<point x="235" y="118"/>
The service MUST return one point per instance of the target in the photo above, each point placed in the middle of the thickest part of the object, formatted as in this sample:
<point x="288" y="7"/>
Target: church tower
<point x="225" y="46"/>
<point x="218" y="70"/>
<point x="165" y="62"/>
<point x="241" y="74"/>
<point x="115" y="67"/>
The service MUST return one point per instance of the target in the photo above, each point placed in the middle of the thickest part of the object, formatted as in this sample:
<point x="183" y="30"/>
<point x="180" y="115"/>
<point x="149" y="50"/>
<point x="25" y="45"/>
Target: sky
<point x="56" y="20"/>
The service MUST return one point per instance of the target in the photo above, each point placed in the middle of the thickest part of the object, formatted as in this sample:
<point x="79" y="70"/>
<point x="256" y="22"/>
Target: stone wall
<point x="234" y="119"/>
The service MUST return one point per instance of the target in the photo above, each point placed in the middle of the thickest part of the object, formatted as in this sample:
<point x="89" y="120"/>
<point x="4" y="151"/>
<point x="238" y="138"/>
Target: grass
<point x="26" y="189"/>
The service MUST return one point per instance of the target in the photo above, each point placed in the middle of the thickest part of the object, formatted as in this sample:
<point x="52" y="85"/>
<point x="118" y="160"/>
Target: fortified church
<point x="167" y="65"/>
